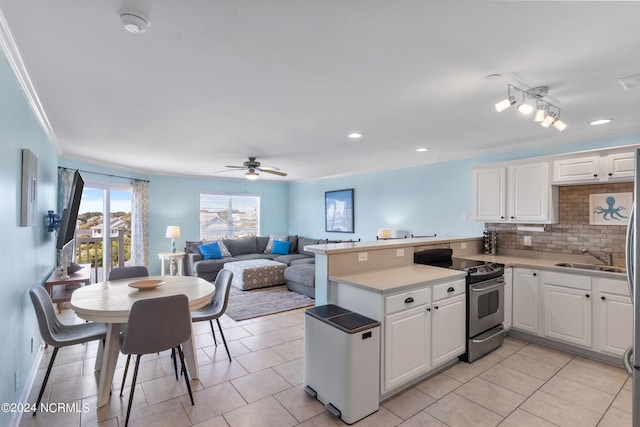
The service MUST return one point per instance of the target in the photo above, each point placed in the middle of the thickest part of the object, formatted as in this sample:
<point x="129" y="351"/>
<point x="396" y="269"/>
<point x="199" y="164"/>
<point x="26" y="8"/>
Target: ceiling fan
<point x="252" y="166"/>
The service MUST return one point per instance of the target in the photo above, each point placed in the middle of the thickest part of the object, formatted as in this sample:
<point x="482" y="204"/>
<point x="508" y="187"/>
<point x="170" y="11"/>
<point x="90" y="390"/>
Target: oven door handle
<point x="486" y="288"/>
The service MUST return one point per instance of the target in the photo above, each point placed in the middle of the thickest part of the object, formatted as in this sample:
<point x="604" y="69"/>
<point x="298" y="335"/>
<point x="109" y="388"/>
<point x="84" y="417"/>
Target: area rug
<point x="261" y="302"/>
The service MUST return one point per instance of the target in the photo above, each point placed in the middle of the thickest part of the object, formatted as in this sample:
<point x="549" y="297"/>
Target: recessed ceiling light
<point x="422" y="150"/>
<point x="134" y="23"/>
<point x="600" y="122"/>
<point x="355" y="135"/>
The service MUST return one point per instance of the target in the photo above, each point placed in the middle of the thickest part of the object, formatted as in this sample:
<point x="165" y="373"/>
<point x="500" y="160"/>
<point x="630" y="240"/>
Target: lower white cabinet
<point x="567" y="315"/>
<point x="525" y="300"/>
<point x="508" y="299"/>
<point x="615" y="314"/>
<point x="448" y="329"/>
<point x="407" y="345"/>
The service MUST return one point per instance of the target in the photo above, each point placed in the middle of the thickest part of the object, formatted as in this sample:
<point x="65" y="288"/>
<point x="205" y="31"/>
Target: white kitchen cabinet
<point x="448" y="329"/>
<point x="525" y="300"/>
<point x="620" y="166"/>
<point x="490" y="192"/>
<point x="518" y="193"/>
<point x="594" y="169"/>
<point x="614" y="327"/>
<point x="567" y="307"/>
<point x="407" y="345"/>
<point x="575" y="170"/>
<point x="508" y="298"/>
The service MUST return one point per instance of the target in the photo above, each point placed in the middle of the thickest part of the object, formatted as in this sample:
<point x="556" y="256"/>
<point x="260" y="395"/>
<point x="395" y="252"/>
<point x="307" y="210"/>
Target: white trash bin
<point x="342" y="361"/>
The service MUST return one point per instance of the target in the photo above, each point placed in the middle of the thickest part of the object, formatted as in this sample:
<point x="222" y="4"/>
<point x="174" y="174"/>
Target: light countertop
<point x="401" y="278"/>
<point x="336" y="248"/>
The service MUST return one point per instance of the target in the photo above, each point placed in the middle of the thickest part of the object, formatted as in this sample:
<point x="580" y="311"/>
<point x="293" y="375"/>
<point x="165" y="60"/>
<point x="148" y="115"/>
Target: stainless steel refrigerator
<point x="632" y="355"/>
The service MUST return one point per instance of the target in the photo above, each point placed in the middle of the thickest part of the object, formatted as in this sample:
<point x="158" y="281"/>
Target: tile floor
<point x="520" y="384"/>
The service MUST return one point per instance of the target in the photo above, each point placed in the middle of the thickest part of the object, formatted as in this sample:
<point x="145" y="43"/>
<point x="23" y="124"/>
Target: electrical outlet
<point x="17" y="378"/>
<point x="400" y="252"/>
<point x="463" y="245"/>
<point x="463" y="217"/>
<point x="362" y="256"/>
<point x="527" y="240"/>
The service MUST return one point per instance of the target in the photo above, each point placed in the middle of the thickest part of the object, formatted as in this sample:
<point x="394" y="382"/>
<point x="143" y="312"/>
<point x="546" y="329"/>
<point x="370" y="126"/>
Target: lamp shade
<point x="173" y="232"/>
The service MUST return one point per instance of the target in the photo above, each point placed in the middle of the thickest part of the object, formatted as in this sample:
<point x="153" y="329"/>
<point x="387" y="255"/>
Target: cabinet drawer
<point x="450" y="289"/>
<point x="574" y="281"/>
<point x="618" y="287"/>
<point x="407" y="300"/>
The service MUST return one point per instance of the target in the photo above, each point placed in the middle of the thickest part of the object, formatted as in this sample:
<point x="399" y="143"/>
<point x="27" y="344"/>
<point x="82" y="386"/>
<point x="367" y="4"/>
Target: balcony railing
<point x="88" y="250"/>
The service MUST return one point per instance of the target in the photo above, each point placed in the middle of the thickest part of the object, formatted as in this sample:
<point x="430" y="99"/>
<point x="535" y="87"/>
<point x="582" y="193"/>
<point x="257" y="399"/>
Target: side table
<point x="173" y="257"/>
<point x="61" y="289"/>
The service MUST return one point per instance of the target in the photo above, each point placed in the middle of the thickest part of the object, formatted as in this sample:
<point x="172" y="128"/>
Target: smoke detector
<point x="134" y="23"/>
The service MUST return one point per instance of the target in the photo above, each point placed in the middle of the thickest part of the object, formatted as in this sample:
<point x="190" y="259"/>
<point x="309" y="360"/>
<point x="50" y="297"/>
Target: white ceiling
<point x="213" y="82"/>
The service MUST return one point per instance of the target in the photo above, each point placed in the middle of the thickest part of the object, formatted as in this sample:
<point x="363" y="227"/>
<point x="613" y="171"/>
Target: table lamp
<point x="173" y="232"/>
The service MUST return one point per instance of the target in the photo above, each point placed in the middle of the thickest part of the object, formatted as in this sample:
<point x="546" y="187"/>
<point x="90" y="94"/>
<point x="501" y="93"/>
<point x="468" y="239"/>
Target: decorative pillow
<point x="280" y="247"/>
<point x="223" y="248"/>
<point x="272" y="238"/>
<point x="210" y="251"/>
<point x="192" y="247"/>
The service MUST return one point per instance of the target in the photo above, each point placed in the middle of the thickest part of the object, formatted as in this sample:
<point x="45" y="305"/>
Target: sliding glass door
<point x="104" y="243"/>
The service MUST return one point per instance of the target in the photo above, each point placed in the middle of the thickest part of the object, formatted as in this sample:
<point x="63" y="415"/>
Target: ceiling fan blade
<point x="236" y="167"/>
<point x="272" y="171"/>
<point x="271" y="168"/>
<point x="227" y="170"/>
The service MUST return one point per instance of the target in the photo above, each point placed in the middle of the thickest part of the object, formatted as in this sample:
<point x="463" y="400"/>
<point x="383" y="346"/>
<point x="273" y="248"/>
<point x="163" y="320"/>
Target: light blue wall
<point x="420" y="201"/>
<point x="27" y="252"/>
<point x="174" y="201"/>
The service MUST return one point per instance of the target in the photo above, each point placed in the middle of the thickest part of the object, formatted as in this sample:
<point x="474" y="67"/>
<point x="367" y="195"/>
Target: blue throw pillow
<point x="210" y="251"/>
<point x="280" y="247"/>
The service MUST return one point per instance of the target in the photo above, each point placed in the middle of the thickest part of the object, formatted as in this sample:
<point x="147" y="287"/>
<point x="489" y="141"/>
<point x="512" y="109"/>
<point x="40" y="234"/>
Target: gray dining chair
<point x="217" y="306"/>
<point x="130" y="272"/>
<point x="56" y="334"/>
<point x="155" y="325"/>
<point x="117" y="273"/>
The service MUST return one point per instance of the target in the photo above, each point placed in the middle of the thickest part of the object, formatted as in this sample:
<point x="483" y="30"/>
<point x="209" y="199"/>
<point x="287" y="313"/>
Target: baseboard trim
<point x="28" y="385"/>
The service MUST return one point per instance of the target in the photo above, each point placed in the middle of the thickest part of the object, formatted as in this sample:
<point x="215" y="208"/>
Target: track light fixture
<point x="546" y="114"/>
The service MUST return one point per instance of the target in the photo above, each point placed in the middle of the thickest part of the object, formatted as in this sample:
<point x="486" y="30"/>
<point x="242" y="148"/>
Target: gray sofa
<point x="299" y="274"/>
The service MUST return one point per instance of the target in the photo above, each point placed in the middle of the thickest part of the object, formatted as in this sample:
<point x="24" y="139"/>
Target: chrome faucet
<point x="607" y="258"/>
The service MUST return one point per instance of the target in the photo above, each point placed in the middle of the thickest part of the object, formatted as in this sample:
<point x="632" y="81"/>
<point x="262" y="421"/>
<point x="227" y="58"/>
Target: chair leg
<point x="224" y="340"/>
<point x="185" y="373"/>
<point x="124" y="377"/>
<point x="46" y="378"/>
<point x="213" y="333"/>
<point x="175" y="366"/>
<point x="133" y="388"/>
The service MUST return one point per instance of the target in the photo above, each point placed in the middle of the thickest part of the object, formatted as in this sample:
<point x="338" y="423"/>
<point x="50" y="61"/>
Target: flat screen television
<point x="69" y="218"/>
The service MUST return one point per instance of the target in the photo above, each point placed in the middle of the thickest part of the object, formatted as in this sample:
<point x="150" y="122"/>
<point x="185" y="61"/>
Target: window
<point x="229" y="216"/>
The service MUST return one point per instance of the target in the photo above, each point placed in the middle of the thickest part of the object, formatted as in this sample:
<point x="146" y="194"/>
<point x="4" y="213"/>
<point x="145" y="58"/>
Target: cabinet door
<point x="490" y="191"/>
<point x="529" y="191"/>
<point x="615" y="324"/>
<point x="580" y="169"/>
<point x="620" y="166"/>
<point x="525" y="300"/>
<point x="567" y="314"/>
<point x="448" y="337"/>
<point x="407" y="345"/>
<point x="508" y="298"/>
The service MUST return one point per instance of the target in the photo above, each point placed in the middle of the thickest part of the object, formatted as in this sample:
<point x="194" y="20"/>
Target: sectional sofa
<point x="299" y="274"/>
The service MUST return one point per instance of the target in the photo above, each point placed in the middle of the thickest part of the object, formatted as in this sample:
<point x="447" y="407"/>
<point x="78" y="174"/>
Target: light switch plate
<point x="362" y="256"/>
<point x="400" y="252"/>
<point x="527" y="240"/>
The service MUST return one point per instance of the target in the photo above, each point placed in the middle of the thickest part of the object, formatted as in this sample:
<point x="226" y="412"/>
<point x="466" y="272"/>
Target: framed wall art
<point x="610" y="208"/>
<point x="338" y="210"/>
<point x="29" y="187"/>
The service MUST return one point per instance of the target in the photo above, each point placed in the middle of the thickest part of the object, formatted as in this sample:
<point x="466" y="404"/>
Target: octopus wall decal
<point x="610" y="208"/>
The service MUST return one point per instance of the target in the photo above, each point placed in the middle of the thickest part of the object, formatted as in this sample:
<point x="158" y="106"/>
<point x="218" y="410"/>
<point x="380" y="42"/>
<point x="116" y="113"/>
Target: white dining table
<point x="110" y="302"/>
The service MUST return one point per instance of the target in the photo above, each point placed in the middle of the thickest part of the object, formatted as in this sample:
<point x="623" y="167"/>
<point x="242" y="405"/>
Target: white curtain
<point x="139" y="223"/>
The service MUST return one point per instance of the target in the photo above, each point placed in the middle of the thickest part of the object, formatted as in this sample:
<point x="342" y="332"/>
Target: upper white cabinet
<point x="593" y="169"/>
<point x="519" y="193"/>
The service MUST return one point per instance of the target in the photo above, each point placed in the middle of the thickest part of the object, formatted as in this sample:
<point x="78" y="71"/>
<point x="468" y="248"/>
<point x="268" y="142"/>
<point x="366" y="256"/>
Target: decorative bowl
<point x="146" y="284"/>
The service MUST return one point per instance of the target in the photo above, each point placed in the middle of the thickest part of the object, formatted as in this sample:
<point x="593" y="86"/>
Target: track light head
<point x="548" y="121"/>
<point x="525" y="108"/>
<point x="541" y="111"/>
<point x="505" y="103"/>
<point x="559" y="124"/>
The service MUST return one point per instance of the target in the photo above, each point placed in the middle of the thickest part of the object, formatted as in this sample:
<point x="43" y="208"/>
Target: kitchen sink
<point x="609" y="268"/>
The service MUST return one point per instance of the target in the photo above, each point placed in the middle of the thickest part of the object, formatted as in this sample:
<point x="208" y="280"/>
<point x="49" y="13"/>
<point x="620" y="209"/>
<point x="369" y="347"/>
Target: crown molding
<point x="12" y="55"/>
